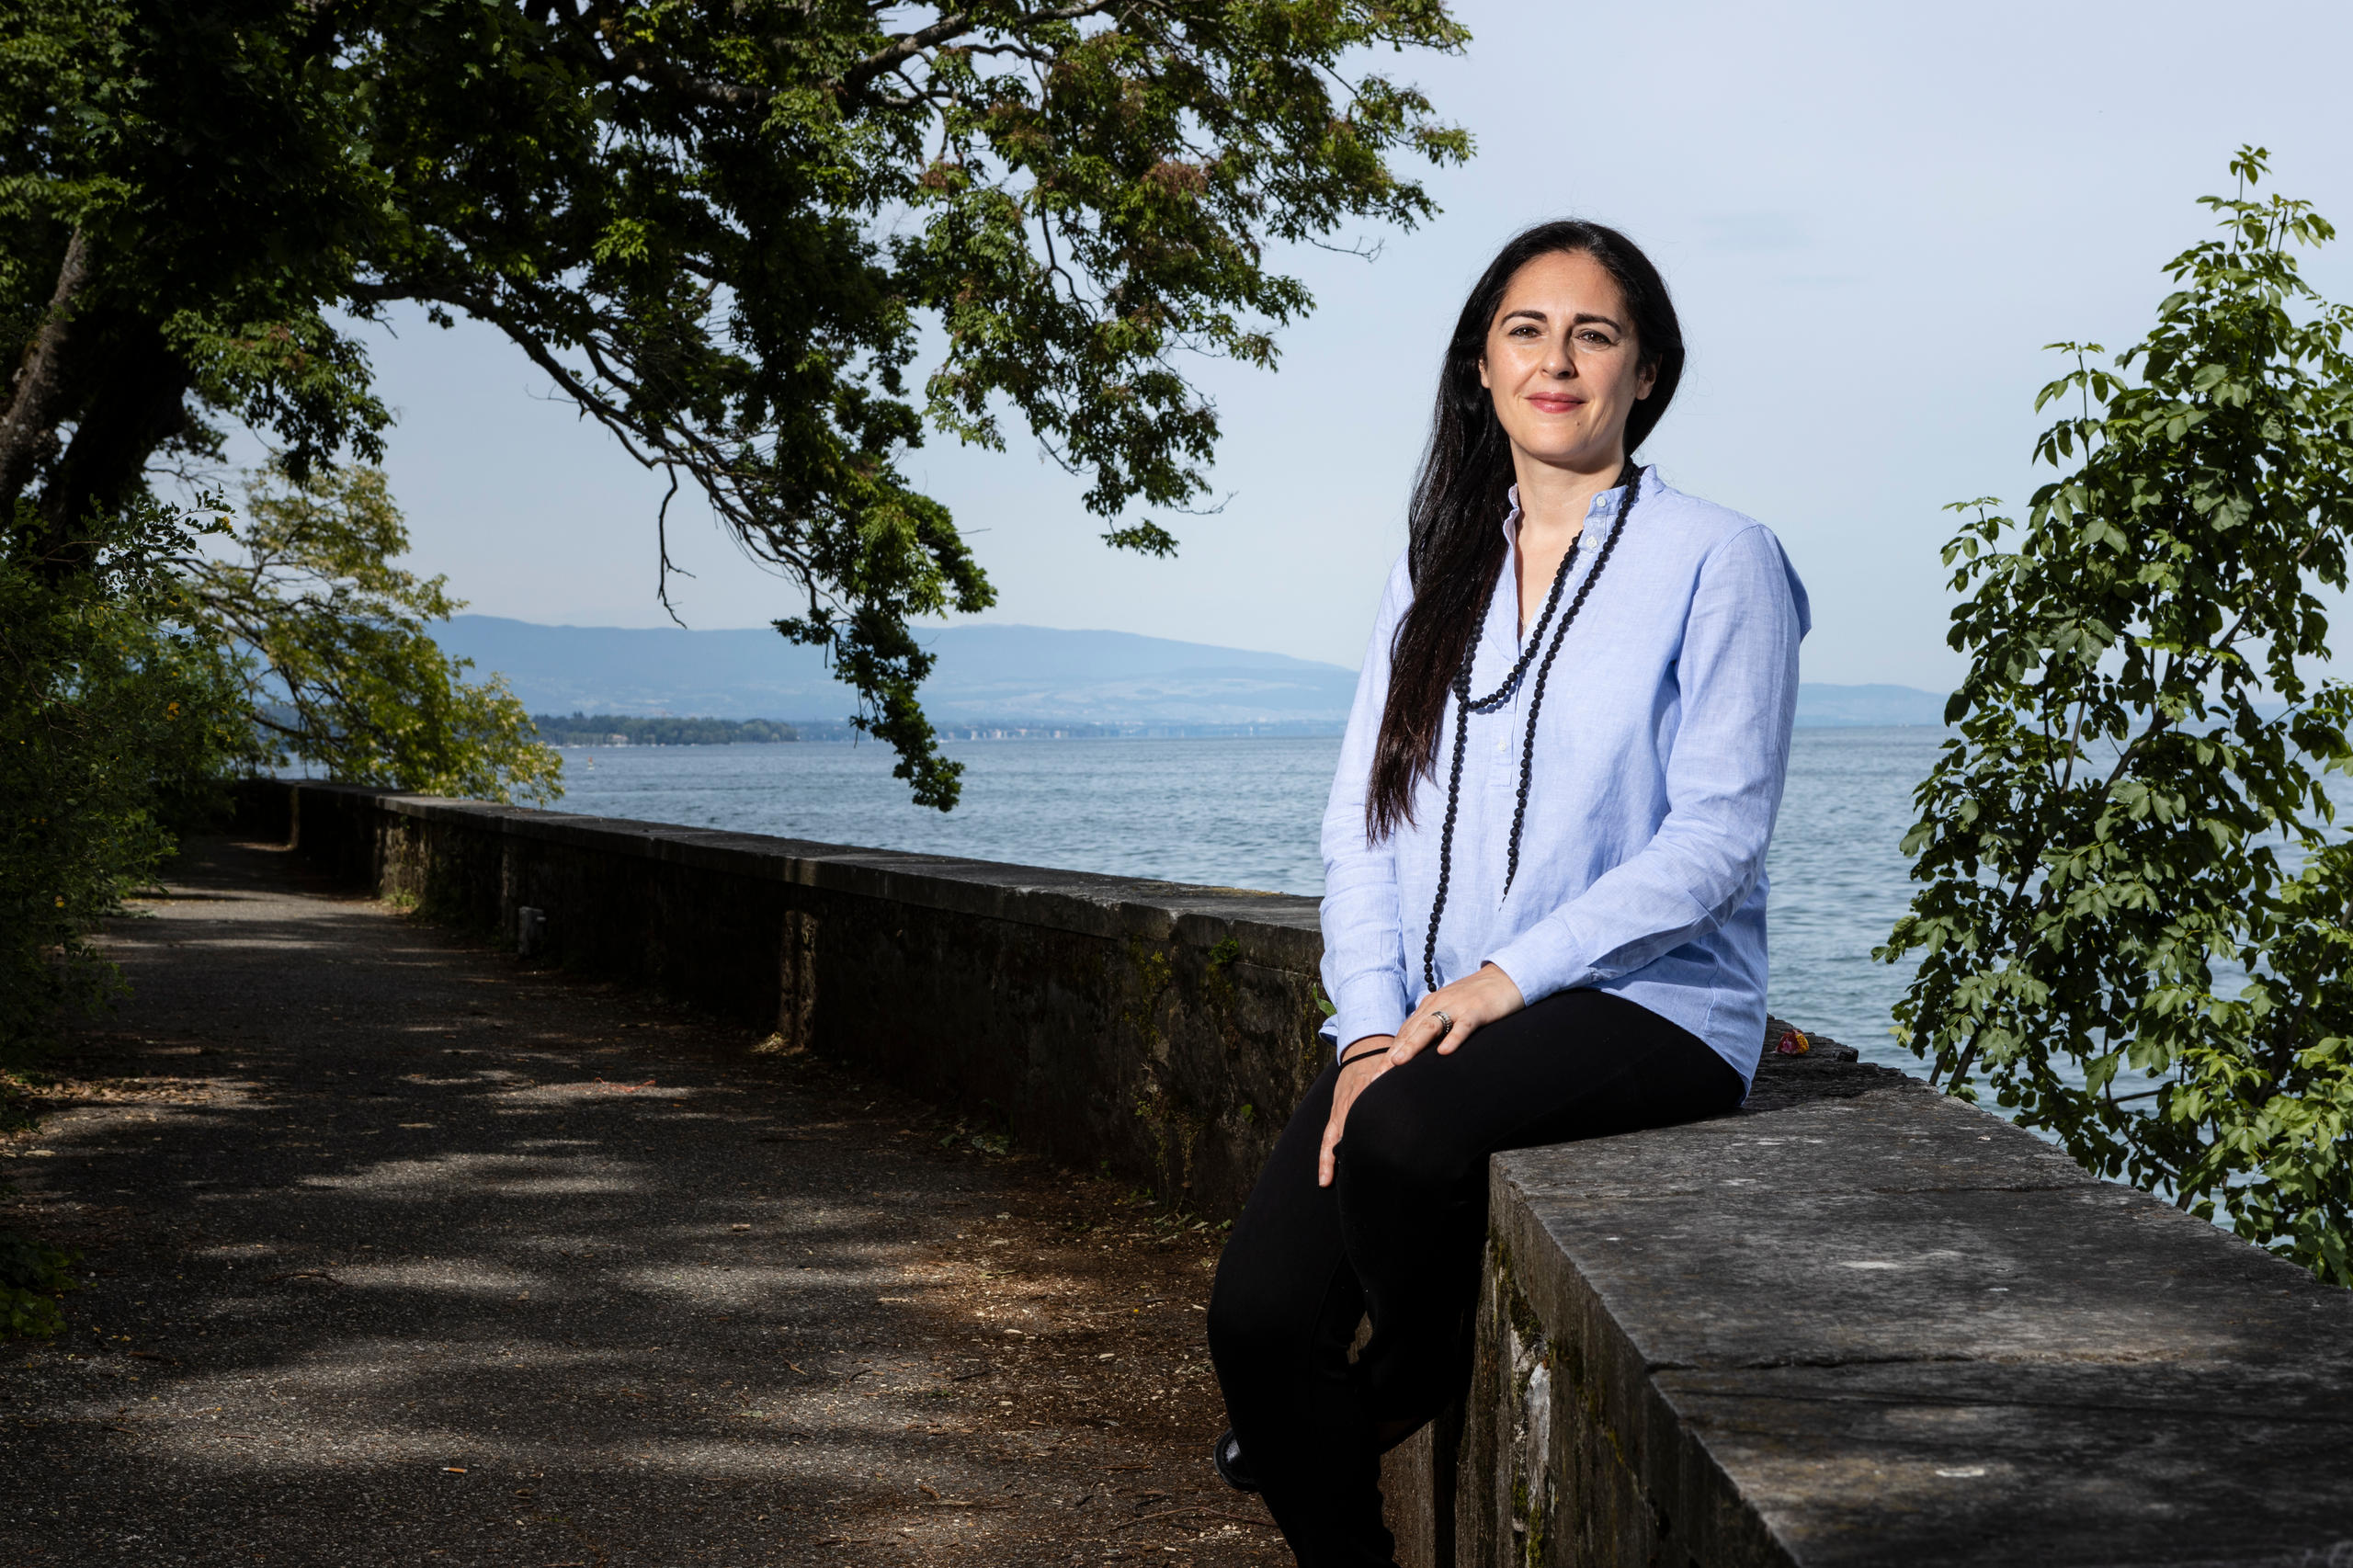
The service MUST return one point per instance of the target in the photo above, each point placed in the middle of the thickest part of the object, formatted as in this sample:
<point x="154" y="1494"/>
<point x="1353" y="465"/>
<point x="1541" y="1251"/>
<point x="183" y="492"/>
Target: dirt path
<point x="404" y="1252"/>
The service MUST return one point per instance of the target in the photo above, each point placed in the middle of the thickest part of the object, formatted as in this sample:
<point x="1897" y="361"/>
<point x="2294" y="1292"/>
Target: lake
<point x="1245" y="813"/>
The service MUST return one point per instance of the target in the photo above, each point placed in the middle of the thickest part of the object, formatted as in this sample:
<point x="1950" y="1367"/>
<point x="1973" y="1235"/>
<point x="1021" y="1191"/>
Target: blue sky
<point x="1872" y="217"/>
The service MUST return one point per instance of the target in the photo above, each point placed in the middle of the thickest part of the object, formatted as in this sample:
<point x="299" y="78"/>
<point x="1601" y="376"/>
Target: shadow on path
<point x="404" y="1253"/>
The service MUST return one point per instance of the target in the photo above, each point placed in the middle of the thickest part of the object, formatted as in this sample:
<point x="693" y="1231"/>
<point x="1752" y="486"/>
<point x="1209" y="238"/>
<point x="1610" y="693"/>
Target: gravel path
<point x="400" y="1252"/>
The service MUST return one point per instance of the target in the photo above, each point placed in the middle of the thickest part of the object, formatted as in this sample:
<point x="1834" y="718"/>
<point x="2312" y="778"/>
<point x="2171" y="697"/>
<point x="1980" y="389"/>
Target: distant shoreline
<point x="837" y="732"/>
<point x="618" y="732"/>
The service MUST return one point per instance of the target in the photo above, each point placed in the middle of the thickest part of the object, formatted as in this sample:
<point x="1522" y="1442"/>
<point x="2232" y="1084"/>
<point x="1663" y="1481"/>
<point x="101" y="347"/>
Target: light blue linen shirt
<point x="1661" y="748"/>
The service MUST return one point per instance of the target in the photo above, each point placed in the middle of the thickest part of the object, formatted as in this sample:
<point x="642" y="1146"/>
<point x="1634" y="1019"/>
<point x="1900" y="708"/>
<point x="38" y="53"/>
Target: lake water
<point x="1245" y="813"/>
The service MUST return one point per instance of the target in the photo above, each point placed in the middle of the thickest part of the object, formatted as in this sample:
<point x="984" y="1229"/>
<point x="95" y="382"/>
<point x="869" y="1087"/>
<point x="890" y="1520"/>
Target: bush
<point x="114" y="719"/>
<point x="32" y="1277"/>
<point x="2129" y="861"/>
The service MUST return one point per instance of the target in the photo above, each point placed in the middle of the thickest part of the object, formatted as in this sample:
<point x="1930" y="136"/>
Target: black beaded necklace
<point x="1465" y="705"/>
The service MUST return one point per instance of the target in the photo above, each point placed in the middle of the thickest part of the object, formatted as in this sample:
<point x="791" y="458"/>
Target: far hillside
<point x="990" y="680"/>
<point x="987" y="675"/>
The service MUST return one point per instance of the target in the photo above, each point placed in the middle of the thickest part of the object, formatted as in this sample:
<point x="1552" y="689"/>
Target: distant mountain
<point x="1010" y="673"/>
<point x="1015" y="673"/>
<point x="1828" y="706"/>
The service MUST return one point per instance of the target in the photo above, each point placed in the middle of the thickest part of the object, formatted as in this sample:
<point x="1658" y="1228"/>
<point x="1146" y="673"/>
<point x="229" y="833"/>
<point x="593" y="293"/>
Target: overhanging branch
<point x="954" y="23"/>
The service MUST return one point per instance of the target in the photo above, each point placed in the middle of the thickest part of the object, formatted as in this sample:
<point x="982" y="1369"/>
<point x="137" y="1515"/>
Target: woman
<point x="1545" y="867"/>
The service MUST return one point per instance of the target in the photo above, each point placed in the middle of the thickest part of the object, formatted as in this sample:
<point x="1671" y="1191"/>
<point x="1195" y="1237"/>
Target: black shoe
<point x="1226" y="1454"/>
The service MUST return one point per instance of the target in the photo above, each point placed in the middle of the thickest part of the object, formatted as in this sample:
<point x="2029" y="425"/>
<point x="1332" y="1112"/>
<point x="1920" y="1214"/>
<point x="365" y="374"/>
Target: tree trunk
<point x="138" y="403"/>
<point x="37" y="396"/>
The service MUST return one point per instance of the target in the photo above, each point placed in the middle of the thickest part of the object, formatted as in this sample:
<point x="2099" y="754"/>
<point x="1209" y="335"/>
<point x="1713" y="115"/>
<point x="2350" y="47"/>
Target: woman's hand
<point x="1467" y="1003"/>
<point x="1364" y="1060"/>
<point x="1480" y="999"/>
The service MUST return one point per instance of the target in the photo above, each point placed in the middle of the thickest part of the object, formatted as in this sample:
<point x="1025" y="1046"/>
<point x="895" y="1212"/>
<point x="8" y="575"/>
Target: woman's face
<point x="1562" y="365"/>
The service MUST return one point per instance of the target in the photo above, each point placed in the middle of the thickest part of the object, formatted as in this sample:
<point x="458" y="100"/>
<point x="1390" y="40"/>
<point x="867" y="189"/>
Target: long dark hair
<point x="1456" y="545"/>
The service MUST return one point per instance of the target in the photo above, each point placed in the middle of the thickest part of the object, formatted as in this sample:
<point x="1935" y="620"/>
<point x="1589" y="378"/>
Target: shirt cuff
<point x="1541" y="962"/>
<point x="1369" y="1004"/>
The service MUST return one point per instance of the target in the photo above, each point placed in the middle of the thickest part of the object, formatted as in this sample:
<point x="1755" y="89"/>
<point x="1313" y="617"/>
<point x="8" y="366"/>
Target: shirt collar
<point x="1605" y="501"/>
<point x="1501" y="632"/>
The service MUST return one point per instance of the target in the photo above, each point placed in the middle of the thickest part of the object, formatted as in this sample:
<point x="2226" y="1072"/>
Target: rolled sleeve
<point x="1364" y="959"/>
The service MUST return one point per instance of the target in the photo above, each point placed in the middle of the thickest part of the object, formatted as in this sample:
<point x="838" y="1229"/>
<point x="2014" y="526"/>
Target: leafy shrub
<point x="2129" y="861"/>
<point x="113" y="719"/>
<point x="32" y="1277"/>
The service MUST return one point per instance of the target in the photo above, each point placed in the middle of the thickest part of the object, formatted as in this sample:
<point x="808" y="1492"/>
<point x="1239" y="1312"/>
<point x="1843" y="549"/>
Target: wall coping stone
<point x="1860" y="1322"/>
<point x="1281" y="929"/>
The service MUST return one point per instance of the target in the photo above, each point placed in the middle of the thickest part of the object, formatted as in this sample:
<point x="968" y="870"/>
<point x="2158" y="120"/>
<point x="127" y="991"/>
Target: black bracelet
<point x="1352" y="1060"/>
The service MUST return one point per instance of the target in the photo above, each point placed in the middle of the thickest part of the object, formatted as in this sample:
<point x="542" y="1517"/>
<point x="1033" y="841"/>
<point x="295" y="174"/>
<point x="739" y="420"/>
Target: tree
<point x="184" y="191"/>
<point x="720" y="229"/>
<point x="2126" y="852"/>
<point x="335" y="664"/>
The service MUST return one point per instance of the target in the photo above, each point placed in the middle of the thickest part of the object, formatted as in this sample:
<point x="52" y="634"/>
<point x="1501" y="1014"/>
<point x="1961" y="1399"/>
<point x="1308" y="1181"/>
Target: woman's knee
<point x="1267" y="1299"/>
<point x="1252" y="1318"/>
<point x="1394" y="1139"/>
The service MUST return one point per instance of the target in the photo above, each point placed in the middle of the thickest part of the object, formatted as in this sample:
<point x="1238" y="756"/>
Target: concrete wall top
<point x="1279" y="929"/>
<point x="1863" y="1323"/>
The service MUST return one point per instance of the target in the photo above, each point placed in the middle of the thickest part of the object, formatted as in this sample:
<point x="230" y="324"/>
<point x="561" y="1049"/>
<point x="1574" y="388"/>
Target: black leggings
<point x="1398" y="1234"/>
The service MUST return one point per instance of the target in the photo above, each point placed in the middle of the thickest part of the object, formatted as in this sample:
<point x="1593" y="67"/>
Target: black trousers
<point x="1398" y="1236"/>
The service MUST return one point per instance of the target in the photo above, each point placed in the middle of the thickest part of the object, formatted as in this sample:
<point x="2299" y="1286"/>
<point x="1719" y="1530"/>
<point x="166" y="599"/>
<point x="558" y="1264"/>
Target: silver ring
<point x="1445" y="1020"/>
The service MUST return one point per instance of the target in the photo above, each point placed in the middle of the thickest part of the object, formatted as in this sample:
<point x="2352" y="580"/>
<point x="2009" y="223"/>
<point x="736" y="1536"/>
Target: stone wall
<point x="1859" y="1322"/>
<point x="1855" y="1323"/>
<point x="1164" y="1029"/>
